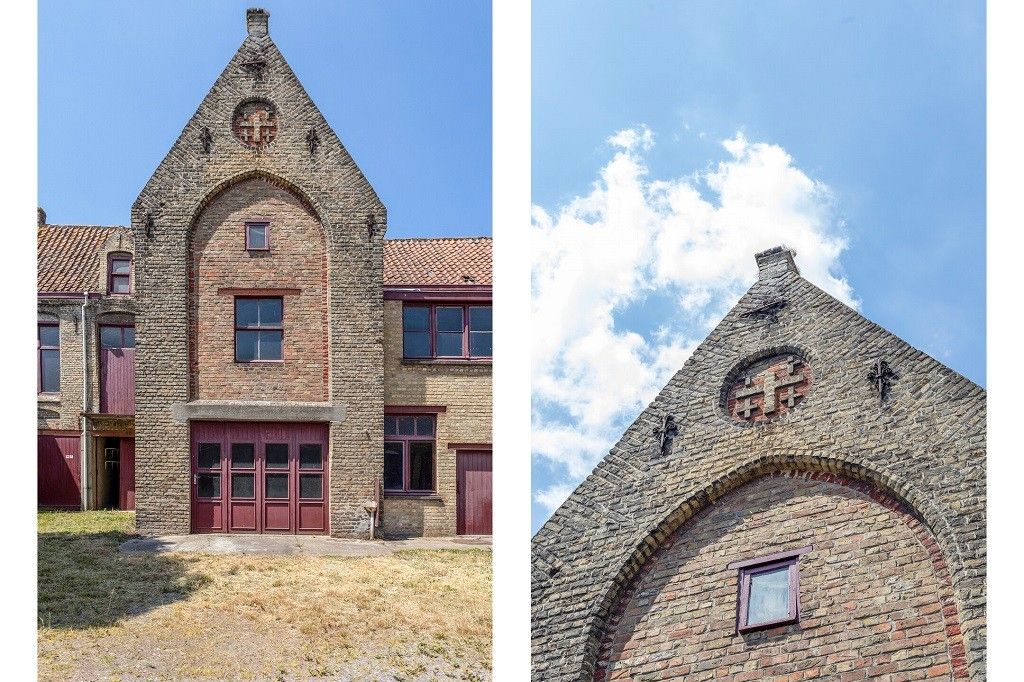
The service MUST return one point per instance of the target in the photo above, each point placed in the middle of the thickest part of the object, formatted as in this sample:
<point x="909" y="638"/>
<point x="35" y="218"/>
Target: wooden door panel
<point x="58" y="471"/>
<point x="126" y="485"/>
<point x="473" y="492"/>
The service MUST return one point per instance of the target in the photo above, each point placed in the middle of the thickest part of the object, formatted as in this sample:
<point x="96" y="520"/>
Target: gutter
<point x="83" y="447"/>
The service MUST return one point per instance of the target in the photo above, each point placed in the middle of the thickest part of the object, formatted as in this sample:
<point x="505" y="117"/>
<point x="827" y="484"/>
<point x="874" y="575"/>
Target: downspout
<point x="83" y="447"/>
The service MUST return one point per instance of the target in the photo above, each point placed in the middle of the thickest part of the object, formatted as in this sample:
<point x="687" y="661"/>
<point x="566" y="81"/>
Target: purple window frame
<point x="773" y="562"/>
<point x="265" y="328"/>
<point x="111" y="277"/>
<point x="265" y="222"/>
<point x="39" y="357"/>
<point x="432" y="331"/>
<point x="406" y="458"/>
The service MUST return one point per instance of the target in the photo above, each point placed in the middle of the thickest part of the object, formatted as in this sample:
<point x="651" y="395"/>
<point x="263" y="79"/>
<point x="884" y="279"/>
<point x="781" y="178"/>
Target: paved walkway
<point x="296" y="544"/>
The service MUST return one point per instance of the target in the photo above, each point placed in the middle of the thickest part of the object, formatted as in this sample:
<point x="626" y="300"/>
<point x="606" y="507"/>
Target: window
<point x="257" y="236"/>
<point x="49" y="357"/>
<point x="409" y="453"/>
<point x="259" y="330"/>
<point x="117" y="336"/>
<point x="769" y="591"/>
<point x="119" y="274"/>
<point x="446" y="331"/>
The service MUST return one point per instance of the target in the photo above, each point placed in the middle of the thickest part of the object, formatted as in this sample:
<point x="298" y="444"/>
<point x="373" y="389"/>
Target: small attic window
<point x="119" y="273"/>
<point x="257" y="235"/>
<point x="769" y="591"/>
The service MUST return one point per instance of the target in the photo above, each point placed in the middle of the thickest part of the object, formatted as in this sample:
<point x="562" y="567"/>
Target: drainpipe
<point x="83" y="447"/>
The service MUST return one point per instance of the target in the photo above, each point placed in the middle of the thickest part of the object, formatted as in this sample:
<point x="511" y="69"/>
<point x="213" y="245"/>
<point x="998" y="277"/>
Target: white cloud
<point x="634" y="239"/>
<point x="552" y="497"/>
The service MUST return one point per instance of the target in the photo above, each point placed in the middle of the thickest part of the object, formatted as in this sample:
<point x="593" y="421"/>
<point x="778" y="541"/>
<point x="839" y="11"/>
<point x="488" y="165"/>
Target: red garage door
<point x="473" y="490"/>
<point x="58" y="471"/>
<point x="256" y="477"/>
<point x="126" y="487"/>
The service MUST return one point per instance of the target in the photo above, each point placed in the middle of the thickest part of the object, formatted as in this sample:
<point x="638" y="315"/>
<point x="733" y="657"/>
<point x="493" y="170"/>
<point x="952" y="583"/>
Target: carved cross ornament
<point x="255" y="123"/>
<point x="665" y="433"/>
<point x="769" y="388"/>
<point x="881" y="377"/>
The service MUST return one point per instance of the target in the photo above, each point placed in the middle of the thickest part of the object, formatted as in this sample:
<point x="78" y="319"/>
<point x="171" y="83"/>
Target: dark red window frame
<point x="265" y="223"/>
<point x="113" y="278"/>
<point x="432" y="331"/>
<point x="782" y="560"/>
<point x="405" y="441"/>
<point x="258" y="328"/>
<point x="40" y="355"/>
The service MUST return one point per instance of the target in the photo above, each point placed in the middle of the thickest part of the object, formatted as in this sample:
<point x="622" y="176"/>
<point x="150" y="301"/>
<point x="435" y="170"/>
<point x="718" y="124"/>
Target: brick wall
<point x="872" y="598"/>
<point x="296" y="260"/>
<point x="465" y="390"/>
<point x="63" y="411"/>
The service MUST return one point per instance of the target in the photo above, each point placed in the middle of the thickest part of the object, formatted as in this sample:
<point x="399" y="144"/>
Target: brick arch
<point x="931" y="528"/>
<point x="192" y="248"/>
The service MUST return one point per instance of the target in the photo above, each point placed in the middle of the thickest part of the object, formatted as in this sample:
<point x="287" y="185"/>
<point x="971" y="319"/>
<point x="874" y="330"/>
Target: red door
<point x="259" y="477"/>
<point x="126" y="485"/>
<point x="58" y="471"/>
<point x="473" y="493"/>
<point x="117" y="369"/>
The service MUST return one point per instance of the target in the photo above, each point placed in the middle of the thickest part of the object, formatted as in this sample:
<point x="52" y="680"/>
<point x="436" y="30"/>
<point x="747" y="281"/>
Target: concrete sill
<point x="457" y="362"/>
<point x="51" y="398"/>
<point x="427" y="497"/>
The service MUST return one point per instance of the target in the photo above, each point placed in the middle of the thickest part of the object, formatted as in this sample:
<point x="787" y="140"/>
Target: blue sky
<point x="867" y="118"/>
<point x="406" y="86"/>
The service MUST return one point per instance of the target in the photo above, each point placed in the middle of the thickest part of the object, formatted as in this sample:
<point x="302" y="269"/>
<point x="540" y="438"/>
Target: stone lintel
<point x="236" y="410"/>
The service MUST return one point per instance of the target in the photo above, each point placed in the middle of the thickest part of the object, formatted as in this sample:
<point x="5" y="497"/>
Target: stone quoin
<point x="252" y="354"/>
<point x="805" y="499"/>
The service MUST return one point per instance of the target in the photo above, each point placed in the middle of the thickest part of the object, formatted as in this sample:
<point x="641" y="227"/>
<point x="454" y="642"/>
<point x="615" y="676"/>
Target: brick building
<point x="251" y="354"/>
<point x="804" y="500"/>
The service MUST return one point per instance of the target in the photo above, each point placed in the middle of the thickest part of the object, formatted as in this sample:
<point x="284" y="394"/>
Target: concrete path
<point x="296" y="544"/>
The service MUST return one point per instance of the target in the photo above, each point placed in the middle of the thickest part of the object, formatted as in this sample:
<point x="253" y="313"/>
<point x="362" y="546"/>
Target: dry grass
<point x="105" y="615"/>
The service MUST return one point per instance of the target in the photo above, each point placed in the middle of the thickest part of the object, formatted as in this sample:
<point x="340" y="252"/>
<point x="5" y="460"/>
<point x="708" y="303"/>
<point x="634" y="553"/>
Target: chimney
<point x="257" y="22"/>
<point x="40" y="216"/>
<point x="776" y="261"/>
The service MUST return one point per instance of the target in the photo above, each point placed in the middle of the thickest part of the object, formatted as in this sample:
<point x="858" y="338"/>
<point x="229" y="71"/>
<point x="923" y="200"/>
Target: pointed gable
<point x="921" y="441"/>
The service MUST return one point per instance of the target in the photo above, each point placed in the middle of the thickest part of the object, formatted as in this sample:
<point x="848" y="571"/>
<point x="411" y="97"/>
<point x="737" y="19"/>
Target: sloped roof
<point x="445" y="260"/>
<point x="68" y="256"/>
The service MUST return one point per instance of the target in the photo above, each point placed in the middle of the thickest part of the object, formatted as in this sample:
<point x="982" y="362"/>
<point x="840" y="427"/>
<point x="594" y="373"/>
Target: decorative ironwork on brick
<point x="312" y="141"/>
<point x="665" y="433"/>
<point x="881" y="377"/>
<point x="769" y="311"/>
<point x="206" y="140"/>
<point x="768" y="388"/>
<point x="255" y="123"/>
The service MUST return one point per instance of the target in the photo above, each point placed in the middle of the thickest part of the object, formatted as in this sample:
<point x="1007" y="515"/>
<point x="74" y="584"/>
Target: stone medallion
<point x="768" y="388"/>
<point x="255" y="123"/>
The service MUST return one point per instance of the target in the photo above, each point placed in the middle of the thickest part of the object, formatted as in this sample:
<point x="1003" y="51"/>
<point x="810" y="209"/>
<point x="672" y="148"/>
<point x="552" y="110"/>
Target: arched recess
<point x="879" y="486"/>
<point x="317" y="216"/>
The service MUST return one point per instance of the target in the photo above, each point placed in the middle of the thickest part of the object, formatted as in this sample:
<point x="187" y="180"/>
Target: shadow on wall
<point x="85" y="582"/>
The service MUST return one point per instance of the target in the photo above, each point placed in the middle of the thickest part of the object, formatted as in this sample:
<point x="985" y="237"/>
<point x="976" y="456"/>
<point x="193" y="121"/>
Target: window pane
<point x="421" y="466"/>
<point x="311" y="486"/>
<point x="480" y="318"/>
<point x="208" y="485"/>
<point x="49" y="335"/>
<point x="393" y="466"/>
<point x="406" y="426"/>
<point x="110" y="337"/>
<point x="243" y="486"/>
<point x="245" y="345"/>
<point x="121" y="284"/>
<point x="121" y="266"/>
<point x="270" y="345"/>
<point x="449" y="320"/>
<point x="769" y="596"/>
<point x="277" y="455"/>
<point x="49" y="371"/>
<point x="209" y="455"/>
<point x="416" y="319"/>
<point x="449" y="344"/>
<point x="311" y="456"/>
<point x="243" y="455"/>
<point x="276" y="486"/>
<point x="246" y="312"/>
<point x="424" y="426"/>
<point x="390" y="426"/>
<point x="480" y="344"/>
<point x="129" y="337"/>
<point x="270" y="312"/>
<point x="416" y="344"/>
<point x="257" y="235"/>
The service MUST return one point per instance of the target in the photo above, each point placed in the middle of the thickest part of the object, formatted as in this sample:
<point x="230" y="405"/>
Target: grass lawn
<point x="105" y="615"/>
